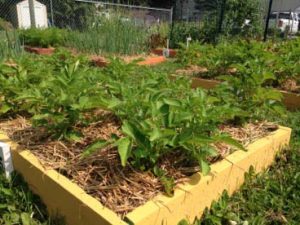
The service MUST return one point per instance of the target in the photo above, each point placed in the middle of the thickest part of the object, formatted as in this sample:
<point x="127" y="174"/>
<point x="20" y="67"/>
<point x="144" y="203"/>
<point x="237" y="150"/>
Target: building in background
<point x="20" y="15"/>
<point x="286" y="5"/>
<point x="189" y="10"/>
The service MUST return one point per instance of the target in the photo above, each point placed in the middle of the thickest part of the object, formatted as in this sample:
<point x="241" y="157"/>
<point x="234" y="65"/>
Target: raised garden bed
<point x="148" y="61"/>
<point x="190" y="198"/>
<point x="160" y="51"/>
<point x="152" y="61"/>
<point x="39" y="51"/>
<point x="291" y="100"/>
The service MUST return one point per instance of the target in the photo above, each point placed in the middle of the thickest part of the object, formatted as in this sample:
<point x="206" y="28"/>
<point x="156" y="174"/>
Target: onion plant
<point x="10" y="44"/>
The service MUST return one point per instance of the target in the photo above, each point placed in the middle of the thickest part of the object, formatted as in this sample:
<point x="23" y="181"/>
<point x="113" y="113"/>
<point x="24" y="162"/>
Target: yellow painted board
<point x="61" y="196"/>
<point x="204" y="83"/>
<point x="190" y="199"/>
<point x="291" y="100"/>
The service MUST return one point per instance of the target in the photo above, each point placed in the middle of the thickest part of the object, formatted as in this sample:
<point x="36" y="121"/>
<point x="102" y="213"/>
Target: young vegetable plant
<point x="36" y="37"/>
<point x="59" y="103"/>
<point x="248" y="92"/>
<point x="17" y="78"/>
<point x="158" y="119"/>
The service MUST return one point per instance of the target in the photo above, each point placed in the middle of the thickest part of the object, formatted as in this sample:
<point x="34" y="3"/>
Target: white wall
<point x="24" y="15"/>
<point x="285" y="5"/>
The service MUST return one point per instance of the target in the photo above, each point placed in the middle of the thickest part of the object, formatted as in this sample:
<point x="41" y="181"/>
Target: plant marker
<point x="166" y="51"/>
<point x="6" y="159"/>
<point x="188" y="40"/>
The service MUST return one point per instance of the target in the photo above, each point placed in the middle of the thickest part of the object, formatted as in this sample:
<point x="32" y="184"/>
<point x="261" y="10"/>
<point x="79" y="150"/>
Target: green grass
<point x="18" y="206"/>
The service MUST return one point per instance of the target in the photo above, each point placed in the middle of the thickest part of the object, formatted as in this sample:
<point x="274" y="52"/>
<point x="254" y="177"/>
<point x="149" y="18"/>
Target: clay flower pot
<point x="99" y="61"/>
<point x="152" y="61"/>
<point x="39" y="51"/>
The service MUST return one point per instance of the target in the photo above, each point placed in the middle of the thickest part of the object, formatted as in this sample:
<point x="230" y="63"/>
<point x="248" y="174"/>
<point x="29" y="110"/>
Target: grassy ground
<point x="272" y="197"/>
<point x="18" y="206"/>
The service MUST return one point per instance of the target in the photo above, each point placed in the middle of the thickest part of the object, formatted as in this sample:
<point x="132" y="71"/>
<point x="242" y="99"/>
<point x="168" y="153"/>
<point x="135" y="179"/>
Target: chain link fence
<point x="76" y="14"/>
<point x="141" y="15"/>
<point x="94" y="26"/>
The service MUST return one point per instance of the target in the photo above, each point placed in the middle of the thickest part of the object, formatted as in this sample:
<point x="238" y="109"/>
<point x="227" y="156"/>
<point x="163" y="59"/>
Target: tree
<point x="236" y="13"/>
<point x="71" y="14"/>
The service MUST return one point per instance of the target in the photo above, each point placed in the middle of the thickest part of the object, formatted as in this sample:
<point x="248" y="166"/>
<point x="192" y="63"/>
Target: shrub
<point x="50" y="37"/>
<point x="182" y="30"/>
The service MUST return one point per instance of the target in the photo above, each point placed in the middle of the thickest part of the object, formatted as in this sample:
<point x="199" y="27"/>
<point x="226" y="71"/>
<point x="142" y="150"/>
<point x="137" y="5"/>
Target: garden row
<point x="271" y="64"/>
<point x="101" y="39"/>
<point x="279" y="62"/>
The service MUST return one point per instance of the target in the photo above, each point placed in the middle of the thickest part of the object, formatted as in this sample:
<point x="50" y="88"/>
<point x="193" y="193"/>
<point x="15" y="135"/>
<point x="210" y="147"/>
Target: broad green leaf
<point x="172" y="102"/>
<point x="113" y="103"/>
<point x="26" y="219"/>
<point x="200" y="140"/>
<point x="124" y="149"/>
<point x="210" y="151"/>
<point x="96" y="146"/>
<point x="268" y="76"/>
<point x="132" y="131"/>
<point x="155" y="134"/>
<point x="74" y="136"/>
<point x="230" y="141"/>
<point x="205" y="168"/>
<point x="4" y="108"/>
<point x="128" y="129"/>
<point x="212" y="99"/>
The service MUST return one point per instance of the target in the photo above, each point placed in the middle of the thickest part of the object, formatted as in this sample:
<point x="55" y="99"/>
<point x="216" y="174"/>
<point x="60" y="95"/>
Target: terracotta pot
<point x="99" y="61"/>
<point x="39" y="51"/>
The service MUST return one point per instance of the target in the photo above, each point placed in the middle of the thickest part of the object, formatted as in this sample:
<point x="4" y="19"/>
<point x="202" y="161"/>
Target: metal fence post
<point x="268" y="20"/>
<point x="32" y="13"/>
<point x="222" y="14"/>
<point x="51" y="8"/>
<point x="171" y="15"/>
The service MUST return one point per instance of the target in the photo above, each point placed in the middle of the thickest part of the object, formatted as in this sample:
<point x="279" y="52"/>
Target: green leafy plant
<point x="158" y="118"/>
<point x="50" y="37"/>
<point x="248" y="92"/>
<point x="10" y="45"/>
<point x="182" y="30"/>
<point x="281" y="59"/>
<point x="59" y="102"/>
<point x="104" y="36"/>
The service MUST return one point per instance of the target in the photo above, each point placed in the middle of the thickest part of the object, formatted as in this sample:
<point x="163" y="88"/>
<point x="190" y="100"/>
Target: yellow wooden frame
<point x="65" y="198"/>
